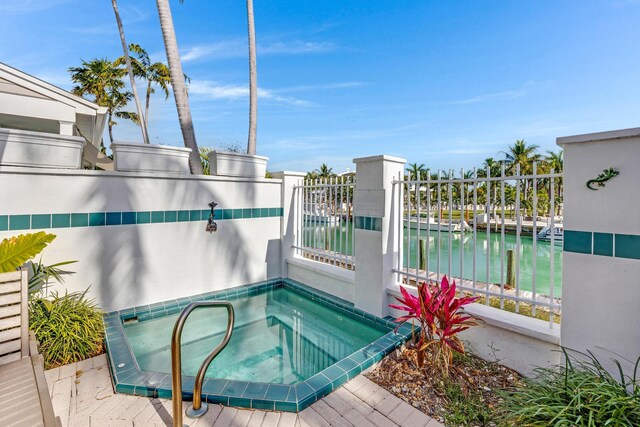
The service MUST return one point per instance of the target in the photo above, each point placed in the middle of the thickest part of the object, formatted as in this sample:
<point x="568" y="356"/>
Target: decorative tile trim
<point x="602" y="244"/>
<point x="128" y="378"/>
<point x="368" y="223"/>
<point x="100" y="219"/>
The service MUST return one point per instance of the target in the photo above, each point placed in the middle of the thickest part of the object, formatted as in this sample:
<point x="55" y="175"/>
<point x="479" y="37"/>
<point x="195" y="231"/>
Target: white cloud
<point x="497" y="96"/>
<point x="237" y="48"/>
<point x="215" y="90"/>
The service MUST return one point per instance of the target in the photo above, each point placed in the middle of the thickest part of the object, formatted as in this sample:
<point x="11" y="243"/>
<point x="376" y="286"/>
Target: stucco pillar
<point x="289" y="216"/>
<point x="376" y="222"/>
<point x="601" y="256"/>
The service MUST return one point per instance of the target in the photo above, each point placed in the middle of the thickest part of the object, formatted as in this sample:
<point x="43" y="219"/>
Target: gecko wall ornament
<point x="211" y="224"/>
<point x="605" y="176"/>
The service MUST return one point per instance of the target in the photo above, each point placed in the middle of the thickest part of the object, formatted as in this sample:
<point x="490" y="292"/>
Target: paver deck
<point x="83" y="396"/>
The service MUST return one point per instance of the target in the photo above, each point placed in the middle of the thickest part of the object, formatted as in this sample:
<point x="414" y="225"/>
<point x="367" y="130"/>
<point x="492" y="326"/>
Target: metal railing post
<point x="198" y="408"/>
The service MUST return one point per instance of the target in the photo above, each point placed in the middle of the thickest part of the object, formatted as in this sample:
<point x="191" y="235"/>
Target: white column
<point x="601" y="257"/>
<point x="290" y="216"/>
<point x="376" y="244"/>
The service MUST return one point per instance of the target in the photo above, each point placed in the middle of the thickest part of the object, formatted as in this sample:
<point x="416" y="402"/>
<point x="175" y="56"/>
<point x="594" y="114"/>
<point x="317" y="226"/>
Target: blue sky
<point x="443" y="83"/>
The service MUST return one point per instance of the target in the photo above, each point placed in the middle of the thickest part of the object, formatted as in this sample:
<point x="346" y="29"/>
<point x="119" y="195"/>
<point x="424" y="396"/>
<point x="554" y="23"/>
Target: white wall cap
<point x="378" y="158"/>
<point x="233" y="154"/>
<point x="599" y="136"/>
<point x="149" y="146"/>
<point x="17" y="170"/>
<point x="513" y="322"/>
<point x="325" y="269"/>
<point x="282" y="174"/>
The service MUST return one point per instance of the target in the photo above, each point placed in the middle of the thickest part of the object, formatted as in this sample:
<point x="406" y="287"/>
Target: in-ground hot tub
<point x="291" y="345"/>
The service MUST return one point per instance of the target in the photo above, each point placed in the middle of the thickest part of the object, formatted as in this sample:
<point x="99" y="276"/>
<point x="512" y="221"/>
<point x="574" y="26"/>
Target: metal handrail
<point x="198" y="408"/>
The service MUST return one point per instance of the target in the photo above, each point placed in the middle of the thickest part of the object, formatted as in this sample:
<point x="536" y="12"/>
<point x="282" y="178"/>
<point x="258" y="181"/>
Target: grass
<point x="524" y="309"/>
<point x="580" y="393"/>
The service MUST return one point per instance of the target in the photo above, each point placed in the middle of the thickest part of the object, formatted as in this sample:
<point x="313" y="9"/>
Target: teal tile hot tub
<point x="291" y="345"/>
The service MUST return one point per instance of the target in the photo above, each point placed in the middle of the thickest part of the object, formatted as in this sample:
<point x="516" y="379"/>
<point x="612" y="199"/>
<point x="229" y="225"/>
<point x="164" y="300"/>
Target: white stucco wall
<point x="601" y="292"/>
<point x="324" y="277"/>
<point x="128" y="265"/>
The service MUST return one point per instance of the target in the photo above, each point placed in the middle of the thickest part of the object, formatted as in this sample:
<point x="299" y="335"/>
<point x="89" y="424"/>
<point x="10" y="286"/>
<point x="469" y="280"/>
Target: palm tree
<point x="324" y="171"/>
<point x="416" y="171"/>
<point x="179" y="88"/>
<point x="524" y="155"/>
<point x="495" y="169"/>
<point x="141" y="118"/>
<point x="102" y="79"/>
<point x="152" y="73"/>
<point x="555" y="161"/>
<point x="253" y="82"/>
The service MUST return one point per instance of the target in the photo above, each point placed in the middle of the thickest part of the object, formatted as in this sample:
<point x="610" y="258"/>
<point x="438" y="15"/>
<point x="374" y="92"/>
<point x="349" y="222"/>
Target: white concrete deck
<point x="83" y="395"/>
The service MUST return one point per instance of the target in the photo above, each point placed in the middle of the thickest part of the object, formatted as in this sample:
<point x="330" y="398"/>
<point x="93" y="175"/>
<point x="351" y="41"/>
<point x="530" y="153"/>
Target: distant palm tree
<point x="324" y="171"/>
<point x="102" y="79"/>
<point x="555" y="161"/>
<point x="523" y="154"/>
<point x="416" y="171"/>
<point x="253" y="82"/>
<point x="141" y="117"/>
<point x="156" y="73"/>
<point x="179" y="88"/>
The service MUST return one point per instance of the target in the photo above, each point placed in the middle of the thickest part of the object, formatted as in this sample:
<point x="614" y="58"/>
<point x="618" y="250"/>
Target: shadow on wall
<point x="153" y="262"/>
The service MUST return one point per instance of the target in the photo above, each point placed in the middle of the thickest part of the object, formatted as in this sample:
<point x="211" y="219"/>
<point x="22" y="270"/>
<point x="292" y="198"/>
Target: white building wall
<point x="128" y="265"/>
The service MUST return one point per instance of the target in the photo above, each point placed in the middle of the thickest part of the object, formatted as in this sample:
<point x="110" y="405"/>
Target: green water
<point x="279" y="337"/>
<point x="339" y="238"/>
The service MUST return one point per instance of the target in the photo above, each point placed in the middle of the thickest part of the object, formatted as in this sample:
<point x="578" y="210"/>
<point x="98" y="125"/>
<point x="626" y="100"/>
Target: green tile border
<point x="41" y="221"/>
<point x="128" y="378"/>
<point x="602" y="244"/>
<point x="368" y="223"/>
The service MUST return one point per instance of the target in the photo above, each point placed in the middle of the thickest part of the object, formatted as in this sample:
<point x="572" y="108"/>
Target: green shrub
<point x="68" y="328"/>
<point x="580" y="393"/>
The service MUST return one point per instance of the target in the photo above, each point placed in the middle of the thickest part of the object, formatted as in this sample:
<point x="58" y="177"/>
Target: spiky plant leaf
<point x="17" y="250"/>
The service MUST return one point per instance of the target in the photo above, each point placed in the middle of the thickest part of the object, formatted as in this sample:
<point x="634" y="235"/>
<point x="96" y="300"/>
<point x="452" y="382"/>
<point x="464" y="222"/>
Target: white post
<point x="601" y="257"/>
<point x="291" y="215"/>
<point x="376" y="226"/>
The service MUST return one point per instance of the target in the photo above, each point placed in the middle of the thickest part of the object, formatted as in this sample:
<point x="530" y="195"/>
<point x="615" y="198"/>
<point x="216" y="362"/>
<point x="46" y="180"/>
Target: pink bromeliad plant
<point x="437" y="309"/>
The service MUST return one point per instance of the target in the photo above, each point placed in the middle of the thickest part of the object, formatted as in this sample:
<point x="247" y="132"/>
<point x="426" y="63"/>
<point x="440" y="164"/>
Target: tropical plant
<point x="416" y="171"/>
<point x="579" y="393"/>
<point x="69" y="328"/>
<point x="102" y="79"/>
<point x="41" y="274"/>
<point x="179" y="87"/>
<point x="134" y="89"/>
<point x="437" y="310"/>
<point x="204" y="158"/>
<point x="253" y="82"/>
<point x="15" y="251"/>
<point x="324" y="171"/>
<point x="156" y="73"/>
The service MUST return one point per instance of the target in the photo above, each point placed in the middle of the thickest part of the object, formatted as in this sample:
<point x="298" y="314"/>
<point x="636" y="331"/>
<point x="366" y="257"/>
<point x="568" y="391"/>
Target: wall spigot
<point x="211" y="224"/>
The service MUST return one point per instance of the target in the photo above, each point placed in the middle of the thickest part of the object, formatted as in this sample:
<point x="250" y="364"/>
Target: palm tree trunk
<point x="179" y="88"/>
<point x="110" y="126"/>
<point x="146" y="107"/>
<point x="253" y="82"/>
<point x="143" y="122"/>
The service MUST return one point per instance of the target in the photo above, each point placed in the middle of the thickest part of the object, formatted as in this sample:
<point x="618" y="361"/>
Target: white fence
<point x="498" y="236"/>
<point x="325" y="227"/>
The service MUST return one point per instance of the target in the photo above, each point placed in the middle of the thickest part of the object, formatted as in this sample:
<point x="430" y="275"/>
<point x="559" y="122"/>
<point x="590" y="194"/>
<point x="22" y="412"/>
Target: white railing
<point x="325" y="226"/>
<point x="489" y="233"/>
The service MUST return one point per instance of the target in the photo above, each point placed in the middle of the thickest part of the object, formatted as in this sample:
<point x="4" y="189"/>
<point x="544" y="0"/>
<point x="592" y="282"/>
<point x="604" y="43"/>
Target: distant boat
<point x="557" y="232"/>
<point x="432" y="225"/>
